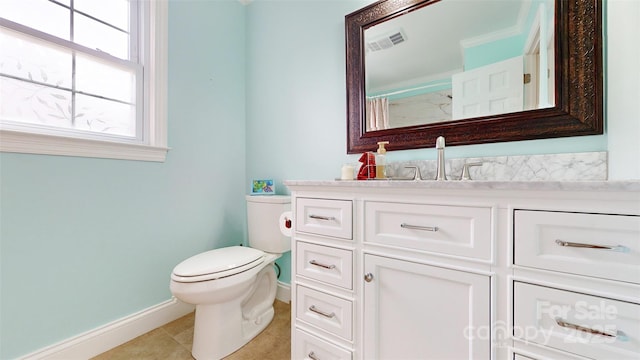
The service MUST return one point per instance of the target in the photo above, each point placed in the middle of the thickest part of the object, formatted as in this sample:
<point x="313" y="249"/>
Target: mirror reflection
<point x="458" y="59"/>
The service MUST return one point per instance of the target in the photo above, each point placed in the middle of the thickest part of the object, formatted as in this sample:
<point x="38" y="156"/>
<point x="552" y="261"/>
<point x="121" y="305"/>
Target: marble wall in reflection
<point x="420" y="109"/>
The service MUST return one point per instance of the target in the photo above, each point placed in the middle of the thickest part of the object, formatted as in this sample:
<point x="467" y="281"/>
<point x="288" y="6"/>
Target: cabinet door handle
<point x="368" y="277"/>
<point x="313" y="262"/>
<point x="592" y="246"/>
<point x="418" y="227"/>
<point x="320" y="217"/>
<point x="312" y="356"/>
<point x="585" y="329"/>
<point x="320" y="312"/>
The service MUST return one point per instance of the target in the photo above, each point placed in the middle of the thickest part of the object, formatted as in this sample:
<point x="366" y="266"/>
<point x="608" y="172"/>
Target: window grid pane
<point x="105" y="116"/>
<point x="49" y="17"/>
<point x="116" y="14"/>
<point x="21" y="101"/>
<point x="105" y="80"/>
<point x="96" y="35"/>
<point x="68" y="89"/>
<point x="28" y="58"/>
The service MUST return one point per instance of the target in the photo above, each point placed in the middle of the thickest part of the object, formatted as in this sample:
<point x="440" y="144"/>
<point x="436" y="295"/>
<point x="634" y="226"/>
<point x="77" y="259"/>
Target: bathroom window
<point x="83" y="78"/>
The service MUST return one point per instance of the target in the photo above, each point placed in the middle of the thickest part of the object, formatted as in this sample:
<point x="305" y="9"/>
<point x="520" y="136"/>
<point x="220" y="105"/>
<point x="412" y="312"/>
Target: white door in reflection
<point x="489" y="90"/>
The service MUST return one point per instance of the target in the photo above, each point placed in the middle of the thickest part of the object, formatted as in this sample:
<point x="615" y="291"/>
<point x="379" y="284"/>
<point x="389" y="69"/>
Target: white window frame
<point x="155" y="105"/>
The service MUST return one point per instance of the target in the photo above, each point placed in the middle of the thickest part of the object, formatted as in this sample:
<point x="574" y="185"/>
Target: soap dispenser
<point x="381" y="161"/>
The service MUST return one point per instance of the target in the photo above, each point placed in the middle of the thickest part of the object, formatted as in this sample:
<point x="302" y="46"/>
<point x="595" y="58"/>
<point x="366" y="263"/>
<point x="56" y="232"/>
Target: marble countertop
<point x="630" y="185"/>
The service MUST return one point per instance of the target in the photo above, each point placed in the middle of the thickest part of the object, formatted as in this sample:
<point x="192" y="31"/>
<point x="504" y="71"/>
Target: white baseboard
<point x="101" y="339"/>
<point x="106" y="337"/>
<point x="284" y="292"/>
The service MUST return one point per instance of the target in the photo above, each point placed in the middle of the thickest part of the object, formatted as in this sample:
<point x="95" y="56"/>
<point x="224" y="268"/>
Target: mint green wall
<point x="493" y="52"/>
<point x="88" y="241"/>
<point x="506" y="48"/>
<point x="296" y="88"/>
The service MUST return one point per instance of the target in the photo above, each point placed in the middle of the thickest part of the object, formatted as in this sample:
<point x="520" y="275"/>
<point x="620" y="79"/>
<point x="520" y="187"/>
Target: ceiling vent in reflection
<point x="387" y="41"/>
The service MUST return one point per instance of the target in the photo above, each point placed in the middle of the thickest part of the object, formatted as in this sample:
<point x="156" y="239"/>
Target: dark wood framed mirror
<point x="577" y="105"/>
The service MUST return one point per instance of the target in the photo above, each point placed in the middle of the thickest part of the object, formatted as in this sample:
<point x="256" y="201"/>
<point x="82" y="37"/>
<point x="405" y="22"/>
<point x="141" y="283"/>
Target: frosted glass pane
<point x="104" y="116"/>
<point x="115" y="13"/>
<point x="95" y="35"/>
<point x="31" y="103"/>
<point x="98" y="78"/>
<point x="35" y="60"/>
<point x="48" y="17"/>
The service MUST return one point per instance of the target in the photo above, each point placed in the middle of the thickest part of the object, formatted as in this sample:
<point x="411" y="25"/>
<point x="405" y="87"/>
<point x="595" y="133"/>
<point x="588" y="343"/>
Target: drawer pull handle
<point x="320" y="312"/>
<point x="585" y="329"/>
<point x="320" y="217"/>
<point x="417" y="227"/>
<point x="592" y="246"/>
<point x="368" y="277"/>
<point x="313" y="262"/>
<point x="312" y="356"/>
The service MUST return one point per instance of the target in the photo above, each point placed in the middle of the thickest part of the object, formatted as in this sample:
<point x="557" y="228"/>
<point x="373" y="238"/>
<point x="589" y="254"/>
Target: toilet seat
<point x="218" y="263"/>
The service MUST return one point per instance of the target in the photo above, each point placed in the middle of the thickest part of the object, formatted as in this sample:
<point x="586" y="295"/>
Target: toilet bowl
<point x="234" y="287"/>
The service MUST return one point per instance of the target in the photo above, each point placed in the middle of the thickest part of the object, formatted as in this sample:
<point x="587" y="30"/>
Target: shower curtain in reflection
<point x="377" y="114"/>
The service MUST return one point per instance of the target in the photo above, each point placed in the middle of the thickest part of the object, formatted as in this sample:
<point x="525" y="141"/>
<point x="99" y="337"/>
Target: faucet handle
<point x="416" y="174"/>
<point x="465" y="170"/>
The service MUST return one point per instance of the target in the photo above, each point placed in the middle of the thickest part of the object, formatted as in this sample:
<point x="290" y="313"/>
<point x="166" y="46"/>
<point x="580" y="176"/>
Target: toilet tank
<point x="263" y="217"/>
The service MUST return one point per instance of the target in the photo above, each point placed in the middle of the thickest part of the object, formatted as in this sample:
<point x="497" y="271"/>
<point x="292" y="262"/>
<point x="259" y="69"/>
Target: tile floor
<point x="173" y="341"/>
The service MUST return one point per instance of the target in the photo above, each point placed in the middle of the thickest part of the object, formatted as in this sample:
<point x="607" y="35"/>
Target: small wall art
<point x="263" y="187"/>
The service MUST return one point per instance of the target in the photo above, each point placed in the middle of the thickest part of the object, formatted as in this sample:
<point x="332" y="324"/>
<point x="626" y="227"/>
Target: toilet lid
<point x="218" y="263"/>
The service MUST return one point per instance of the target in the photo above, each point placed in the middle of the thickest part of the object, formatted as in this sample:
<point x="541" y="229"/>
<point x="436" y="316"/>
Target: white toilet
<point x="234" y="288"/>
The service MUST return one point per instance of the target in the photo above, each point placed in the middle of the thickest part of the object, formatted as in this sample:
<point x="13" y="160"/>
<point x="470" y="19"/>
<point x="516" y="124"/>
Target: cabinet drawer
<point x="324" y="263"/>
<point x="453" y="230"/>
<point x="586" y="325"/>
<point x="324" y="217"/>
<point x="308" y="346"/>
<point x="330" y="313"/>
<point x="605" y="246"/>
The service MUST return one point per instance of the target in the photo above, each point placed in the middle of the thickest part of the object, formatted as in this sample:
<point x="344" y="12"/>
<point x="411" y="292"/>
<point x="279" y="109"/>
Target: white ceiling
<point x="435" y="36"/>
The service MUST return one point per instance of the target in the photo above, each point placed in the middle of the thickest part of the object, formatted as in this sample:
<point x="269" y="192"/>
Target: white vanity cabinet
<point x="467" y="270"/>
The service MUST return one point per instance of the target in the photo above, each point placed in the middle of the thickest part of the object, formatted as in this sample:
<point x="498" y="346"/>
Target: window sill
<point x="29" y="143"/>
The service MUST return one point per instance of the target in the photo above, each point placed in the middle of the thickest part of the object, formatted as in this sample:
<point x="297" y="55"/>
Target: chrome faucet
<point x="440" y="171"/>
<point x="465" y="170"/>
<point x="416" y="175"/>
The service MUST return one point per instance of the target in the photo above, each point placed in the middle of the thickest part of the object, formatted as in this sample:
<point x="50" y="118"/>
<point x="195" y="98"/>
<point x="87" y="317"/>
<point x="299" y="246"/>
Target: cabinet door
<point x="417" y="311"/>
